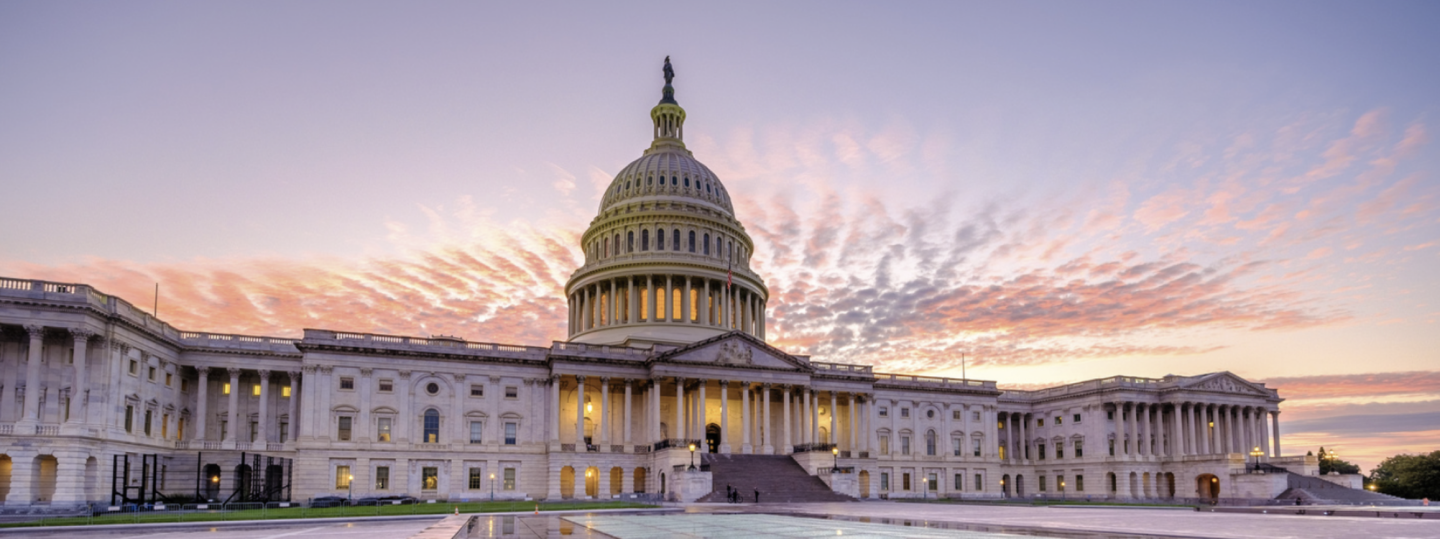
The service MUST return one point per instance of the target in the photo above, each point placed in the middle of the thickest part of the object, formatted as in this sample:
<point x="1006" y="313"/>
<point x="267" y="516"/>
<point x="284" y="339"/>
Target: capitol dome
<point x="665" y="259"/>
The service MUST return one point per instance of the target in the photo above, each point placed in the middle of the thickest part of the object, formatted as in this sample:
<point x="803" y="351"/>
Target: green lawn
<point x="145" y="517"/>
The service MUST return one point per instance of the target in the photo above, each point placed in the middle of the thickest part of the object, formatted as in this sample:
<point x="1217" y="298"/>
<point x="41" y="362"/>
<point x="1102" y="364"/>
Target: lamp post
<point x="1003" y="492"/>
<point x="492" y="486"/>
<point x="215" y="479"/>
<point x="836" y="452"/>
<point x="692" y="456"/>
<point x="350" y="487"/>
<point x="1256" y="453"/>
<point x="924" y="488"/>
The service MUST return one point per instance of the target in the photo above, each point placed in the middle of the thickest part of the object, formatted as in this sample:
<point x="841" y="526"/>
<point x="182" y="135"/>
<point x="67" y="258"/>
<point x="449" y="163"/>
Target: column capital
<point x="203" y="371"/>
<point x="724" y="382"/>
<point x="294" y="375"/>
<point x="81" y="334"/>
<point x="233" y="371"/>
<point x="118" y="345"/>
<point x="604" y="380"/>
<point x="264" y="374"/>
<point x="1275" y="413"/>
<point x="36" y="332"/>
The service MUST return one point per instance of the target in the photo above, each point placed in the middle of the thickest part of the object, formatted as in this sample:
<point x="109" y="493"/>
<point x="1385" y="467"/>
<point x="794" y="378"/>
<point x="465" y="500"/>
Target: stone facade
<point x="666" y="348"/>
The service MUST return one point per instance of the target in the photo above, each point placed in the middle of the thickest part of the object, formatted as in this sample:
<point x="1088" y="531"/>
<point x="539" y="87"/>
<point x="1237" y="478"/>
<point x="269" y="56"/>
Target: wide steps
<point x="1315" y="490"/>
<point x="778" y="478"/>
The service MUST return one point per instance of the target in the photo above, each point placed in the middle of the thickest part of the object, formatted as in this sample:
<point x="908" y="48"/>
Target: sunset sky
<point x="1060" y="191"/>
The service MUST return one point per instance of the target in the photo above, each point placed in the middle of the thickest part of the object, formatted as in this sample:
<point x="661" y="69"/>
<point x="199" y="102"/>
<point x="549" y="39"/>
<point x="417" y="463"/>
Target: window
<point x="475" y="479"/>
<point x="1110" y="414"/>
<point x="930" y="414"/>
<point x="184" y="385"/>
<point x="1079" y="448"/>
<point x="347" y="382"/>
<point x="169" y="379"/>
<point x="431" y="427"/>
<point x="884" y="480"/>
<point x="707" y="244"/>
<point x="956" y="446"/>
<point x="1075" y="418"/>
<point x="285" y="391"/>
<point x="510" y="429"/>
<point x="1040" y="422"/>
<point x="343" y="433"/>
<point x="429" y="478"/>
<point x="477" y="390"/>
<point x="130" y="418"/>
<point x="180" y="429"/>
<point x="432" y="388"/>
<point x="509" y="479"/>
<point x="382" y="429"/>
<point x="134" y="367"/>
<point x="660" y="240"/>
<point x="151" y="374"/>
<point x="884" y="411"/>
<point x="959" y="481"/>
<point x="1057" y="420"/>
<point x="644" y="240"/>
<point x="254" y="431"/>
<point x="904" y="445"/>
<point x="630" y="242"/>
<point x="1112" y="448"/>
<point x="224" y="429"/>
<point x="1059" y="450"/>
<point x="692" y="241"/>
<point x="955" y="415"/>
<point x="148" y="414"/>
<point x="342" y="477"/>
<point x="225" y="388"/>
<point x="476" y="428"/>
<point x="905" y="481"/>
<point x="975" y="447"/>
<point x="979" y="486"/>
<point x="676" y="236"/>
<point x="382" y="478"/>
<point x="387" y="385"/>
<point x="255" y="390"/>
<point x="930" y="443"/>
<point x="512" y="392"/>
<point x="1079" y="483"/>
<point x="976" y="416"/>
<point x="904" y="412"/>
<point x="884" y="445"/>
<point x="1040" y="448"/>
<point x="933" y="482"/>
<point x="284" y="430"/>
<point x="1042" y="483"/>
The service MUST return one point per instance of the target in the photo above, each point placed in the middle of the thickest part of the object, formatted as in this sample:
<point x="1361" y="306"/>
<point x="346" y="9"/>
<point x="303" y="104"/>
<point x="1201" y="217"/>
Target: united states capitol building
<point x="101" y="402"/>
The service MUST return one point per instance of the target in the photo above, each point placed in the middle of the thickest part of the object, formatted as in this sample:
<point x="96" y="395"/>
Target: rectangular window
<point x="959" y="481"/>
<point x="904" y="412"/>
<point x="509" y="479"/>
<point x="1040" y="422"/>
<point x="905" y="481"/>
<point x="884" y="411"/>
<point x="955" y="415"/>
<point x="285" y="391"/>
<point x="165" y="426"/>
<point x="976" y="416"/>
<point x="382" y="429"/>
<point x="512" y="392"/>
<point x="151" y="374"/>
<point x="904" y="445"/>
<point x="184" y="385"/>
<point x="975" y="447"/>
<point x="476" y="428"/>
<point x="387" y="386"/>
<point x="342" y="477"/>
<point x="1112" y="448"/>
<point x="344" y="428"/>
<point x="510" y="429"/>
<point x="225" y="388"/>
<point x="147" y="422"/>
<point x="255" y="390"/>
<point x="1060" y="483"/>
<point x="475" y="478"/>
<point x="979" y="485"/>
<point x="933" y="484"/>
<point x="1079" y="448"/>
<point x="884" y="481"/>
<point x="134" y="367"/>
<point x="284" y="431"/>
<point x="254" y="431"/>
<point x="1040" y="449"/>
<point x="1057" y="420"/>
<point x="1042" y="483"/>
<point x="347" y="382"/>
<point x="429" y="478"/>
<point x="1076" y="418"/>
<point x="1059" y="451"/>
<point x="169" y="379"/>
<point x="180" y="429"/>
<point x="884" y="445"/>
<point x="958" y="447"/>
<point x="1110" y="414"/>
<point x="1079" y="483"/>
<point x="382" y="478"/>
<point x="224" y="428"/>
<point x="477" y="390"/>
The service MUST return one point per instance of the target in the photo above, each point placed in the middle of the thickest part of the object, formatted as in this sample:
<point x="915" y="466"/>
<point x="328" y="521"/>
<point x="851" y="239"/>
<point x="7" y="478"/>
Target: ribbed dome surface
<point x="669" y="172"/>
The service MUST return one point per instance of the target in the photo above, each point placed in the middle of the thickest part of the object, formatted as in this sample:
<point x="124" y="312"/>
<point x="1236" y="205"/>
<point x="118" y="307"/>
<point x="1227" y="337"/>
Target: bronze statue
<point x="669" y="72"/>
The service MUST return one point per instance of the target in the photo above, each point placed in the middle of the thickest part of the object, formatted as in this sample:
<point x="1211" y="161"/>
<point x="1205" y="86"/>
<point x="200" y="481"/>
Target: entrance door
<point x="712" y="437"/>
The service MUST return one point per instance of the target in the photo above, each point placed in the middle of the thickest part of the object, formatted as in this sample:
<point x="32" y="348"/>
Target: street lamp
<point x="215" y="479"/>
<point x="692" y="456"/>
<point x="1257" y="453"/>
<point x="836" y="468"/>
<point x="1003" y="492"/>
<point x="350" y="484"/>
<point x="492" y="486"/>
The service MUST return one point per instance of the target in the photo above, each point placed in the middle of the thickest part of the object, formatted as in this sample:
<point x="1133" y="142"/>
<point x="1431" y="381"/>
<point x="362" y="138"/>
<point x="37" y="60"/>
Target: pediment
<point x="735" y="349"/>
<point x="1225" y="382"/>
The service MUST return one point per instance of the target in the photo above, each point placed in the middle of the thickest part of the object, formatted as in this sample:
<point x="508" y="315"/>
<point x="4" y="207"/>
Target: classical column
<point x="679" y="430"/>
<point x="580" y="412"/>
<point x="850" y="401"/>
<point x="628" y="416"/>
<point x="785" y="407"/>
<point x="767" y="435"/>
<point x="602" y="427"/>
<point x="554" y="409"/>
<point x="81" y="386"/>
<point x="655" y="415"/>
<point x="834" y="414"/>
<point x="1263" y="418"/>
<point x="201" y="402"/>
<point x="308" y="402"/>
<point x="233" y="409"/>
<point x="264" y="420"/>
<point x="707" y="317"/>
<point x="802" y="396"/>
<point x="294" y="408"/>
<point x="1142" y="419"/>
<point x="745" y="447"/>
<point x="813" y="399"/>
<point x="32" y="377"/>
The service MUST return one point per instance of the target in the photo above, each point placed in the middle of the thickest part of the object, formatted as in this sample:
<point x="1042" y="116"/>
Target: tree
<point x="1409" y="476"/>
<point x="1331" y="463"/>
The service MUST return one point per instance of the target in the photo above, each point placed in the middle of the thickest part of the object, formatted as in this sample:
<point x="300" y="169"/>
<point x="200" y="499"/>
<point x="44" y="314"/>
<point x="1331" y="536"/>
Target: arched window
<point x="930" y="443"/>
<point x="650" y="181"/>
<point x="674" y="181"/>
<point x="731" y="248"/>
<point x="644" y="240"/>
<point x="692" y="241"/>
<point x="660" y="240"/>
<point x="607" y="248"/>
<point x="627" y="185"/>
<point x="432" y="427"/>
<point x="676" y="243"/>
<point x="707" y="244"/>
<point x="707" y="188"/>
<point x="687" y="182"/>
<point x="617" y="244"/>
<point x="630" y="241"/>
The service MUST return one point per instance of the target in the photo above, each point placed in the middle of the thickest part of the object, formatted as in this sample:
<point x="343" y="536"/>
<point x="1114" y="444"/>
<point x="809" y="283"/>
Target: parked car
<point x="327" y="501"/>
<point x="403" y="500"/>
<point x="369" y="500"/>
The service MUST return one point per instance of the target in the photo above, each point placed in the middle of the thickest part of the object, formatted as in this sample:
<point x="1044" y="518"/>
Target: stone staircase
<point x="778" y="478"/>
<point x="1316" y="491"/>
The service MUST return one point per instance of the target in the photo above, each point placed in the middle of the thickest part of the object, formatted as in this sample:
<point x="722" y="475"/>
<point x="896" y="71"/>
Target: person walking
<point x="757" y="495"/>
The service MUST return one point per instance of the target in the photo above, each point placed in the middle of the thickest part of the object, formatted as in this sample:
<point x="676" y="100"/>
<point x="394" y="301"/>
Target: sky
<point x="1058" y="191"/>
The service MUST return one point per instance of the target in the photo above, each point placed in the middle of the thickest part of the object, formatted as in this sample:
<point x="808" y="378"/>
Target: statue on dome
<point x="669" y="72"/>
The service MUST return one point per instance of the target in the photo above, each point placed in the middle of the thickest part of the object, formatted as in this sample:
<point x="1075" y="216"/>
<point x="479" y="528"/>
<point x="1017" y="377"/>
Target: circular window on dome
<point x="432" y="388"/>
<point x="930" y="414"/>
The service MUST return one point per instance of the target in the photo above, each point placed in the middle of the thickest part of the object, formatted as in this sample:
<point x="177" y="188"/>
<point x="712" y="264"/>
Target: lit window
<point x="905" y="481"/>
<point x="431" y="427"/>
<point x="169" y="379"/>
<point x="475" y="475"/>
<point x="1057" y="420"/>
<point x="382" y="478"/>
<point x="1040" y="422"/>
<point x="382" y="428"/>
<point x="285" y="391"/>
<point x="429" y="478"/>
<point x="255" y="390"/>
<point x="342" y="477"/>
<point x="509" y="479"/>
<point x="225" y="388"/>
